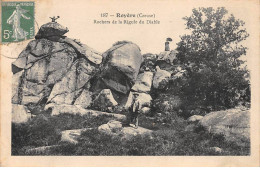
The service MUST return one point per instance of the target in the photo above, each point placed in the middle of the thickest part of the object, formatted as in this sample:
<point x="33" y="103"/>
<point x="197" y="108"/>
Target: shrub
<point x="211" y="54"/>
<point x="149" y="62"/>
<point x="166" y="103"/>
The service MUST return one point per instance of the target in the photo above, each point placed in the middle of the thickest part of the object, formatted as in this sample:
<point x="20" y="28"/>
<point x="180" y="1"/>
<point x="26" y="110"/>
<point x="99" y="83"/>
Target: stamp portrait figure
<point x="15" y="20"/>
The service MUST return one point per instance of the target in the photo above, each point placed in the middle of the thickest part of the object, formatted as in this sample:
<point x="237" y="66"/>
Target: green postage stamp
<point x="17" y="21"/>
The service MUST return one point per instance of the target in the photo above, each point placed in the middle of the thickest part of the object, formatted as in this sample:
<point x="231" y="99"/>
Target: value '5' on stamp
<point x="17" y="21"/>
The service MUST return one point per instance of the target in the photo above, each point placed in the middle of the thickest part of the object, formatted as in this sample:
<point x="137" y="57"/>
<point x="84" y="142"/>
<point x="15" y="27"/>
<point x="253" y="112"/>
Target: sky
<point x="79" y="16"/>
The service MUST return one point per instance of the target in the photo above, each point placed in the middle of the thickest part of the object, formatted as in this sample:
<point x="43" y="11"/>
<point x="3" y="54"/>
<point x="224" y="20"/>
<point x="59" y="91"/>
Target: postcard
<point x="129" y="83"/>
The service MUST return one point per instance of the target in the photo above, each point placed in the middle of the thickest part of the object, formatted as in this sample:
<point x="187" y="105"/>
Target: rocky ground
<point x="75" y="134"/>
<point x="69" y="99"/>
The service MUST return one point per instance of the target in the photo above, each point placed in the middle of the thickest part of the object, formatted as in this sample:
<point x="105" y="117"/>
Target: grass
<point x="169" y="138"/>
<point x="45" y="130"/>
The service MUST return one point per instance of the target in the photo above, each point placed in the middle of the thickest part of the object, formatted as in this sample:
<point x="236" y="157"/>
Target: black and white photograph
<point x="129" y="79"/>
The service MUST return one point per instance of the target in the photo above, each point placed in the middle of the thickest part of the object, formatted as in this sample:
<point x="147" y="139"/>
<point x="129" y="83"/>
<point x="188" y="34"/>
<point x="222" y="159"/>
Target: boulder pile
<point x="118" y="70"/>
<point x="63" y="75"/>
<point x="53" y="69"/>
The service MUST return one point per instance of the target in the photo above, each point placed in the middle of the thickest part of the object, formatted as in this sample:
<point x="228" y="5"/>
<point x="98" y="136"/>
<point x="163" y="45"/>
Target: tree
<point x="211" y="55"/>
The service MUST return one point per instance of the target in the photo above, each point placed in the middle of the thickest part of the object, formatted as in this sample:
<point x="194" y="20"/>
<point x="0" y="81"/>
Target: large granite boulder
<point x="62" y="109"/>
<point x="143" y="82"/>
<point x="89" y="53"/>
<point x="84" y="99"/>
<point x="144" y="99"/>
<point x="51" y="29"/>
<point x="234" y="124"/>
<point x="54" y="71"/>
<point x="104" y="100"/>
<point x="71" y="85"/>
<point x="42" y="67"/>
<point x="16" y="87"/>
<point x="119" y="70"/>
<point x="161" y="78"/>
<point x="166" y="59"/>
<point x="111" y="126"/>
<point x="39" y="52"/>
<point x="20" y="114"/>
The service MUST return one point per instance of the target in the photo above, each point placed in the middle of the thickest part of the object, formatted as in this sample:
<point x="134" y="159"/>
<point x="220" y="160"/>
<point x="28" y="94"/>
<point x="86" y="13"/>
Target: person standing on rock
<point x="167" y="44"/>
<point x="134" y="110"/>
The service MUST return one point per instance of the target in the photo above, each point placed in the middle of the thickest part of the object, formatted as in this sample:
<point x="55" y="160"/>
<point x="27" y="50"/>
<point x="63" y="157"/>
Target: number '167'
<point x="104" y="14"/>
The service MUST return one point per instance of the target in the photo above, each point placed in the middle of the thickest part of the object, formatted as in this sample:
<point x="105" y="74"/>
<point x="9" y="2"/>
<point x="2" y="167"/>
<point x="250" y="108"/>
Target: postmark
<point x="17" y="21"/>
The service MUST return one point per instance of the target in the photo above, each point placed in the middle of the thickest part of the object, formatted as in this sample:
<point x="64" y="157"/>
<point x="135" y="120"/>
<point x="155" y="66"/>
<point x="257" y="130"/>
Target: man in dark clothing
<point x="134" y="111"/>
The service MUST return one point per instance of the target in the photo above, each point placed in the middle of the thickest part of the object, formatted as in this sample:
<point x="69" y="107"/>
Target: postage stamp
<point x="17" y="21"/>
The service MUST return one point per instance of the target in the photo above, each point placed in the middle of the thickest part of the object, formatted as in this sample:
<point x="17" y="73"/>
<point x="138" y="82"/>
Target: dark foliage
<point x="216" y="77"/>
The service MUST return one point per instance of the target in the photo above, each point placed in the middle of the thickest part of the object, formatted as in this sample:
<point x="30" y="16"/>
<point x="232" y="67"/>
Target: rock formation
<point x="115" y="128"/>
<point x="234" y="124"/>
<point x="20" y="114"/>
<point x="161" y="78"/>
<point x="194" y="118"/>
<point x="118" y="70"/>
<point x="53" y="69"/>
<point x="104" y="100"/>
<point x="62" y="74"/>
<point x="165" y="59"/>
<point x="71" y="136"/>
<point x="143" y="82"/>
<point x="58" y="75"/>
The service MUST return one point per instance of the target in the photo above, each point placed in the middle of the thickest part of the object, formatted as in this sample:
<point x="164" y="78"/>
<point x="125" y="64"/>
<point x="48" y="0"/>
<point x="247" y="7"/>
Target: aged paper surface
<point x="92" y="23"/>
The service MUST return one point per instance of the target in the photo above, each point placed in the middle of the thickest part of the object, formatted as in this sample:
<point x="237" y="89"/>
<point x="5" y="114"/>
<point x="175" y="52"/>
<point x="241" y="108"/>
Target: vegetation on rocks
<point x="204" y="74"/>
